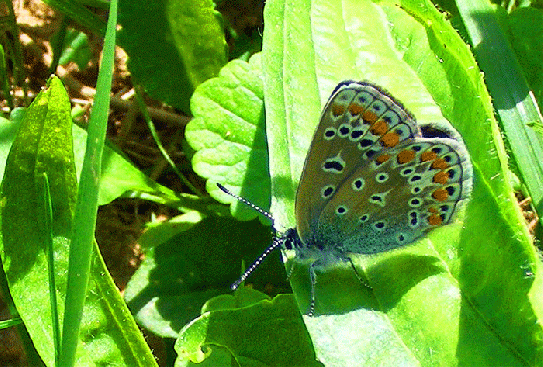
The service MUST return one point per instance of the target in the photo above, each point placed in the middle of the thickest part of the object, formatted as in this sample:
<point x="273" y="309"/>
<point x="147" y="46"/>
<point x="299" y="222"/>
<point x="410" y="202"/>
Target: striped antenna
<point x="247" y="202"/>
<point x="275" y="244"/>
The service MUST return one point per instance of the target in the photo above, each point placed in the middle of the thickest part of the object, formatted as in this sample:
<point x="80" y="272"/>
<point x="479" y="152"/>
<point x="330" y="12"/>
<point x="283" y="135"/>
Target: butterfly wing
<point x="368" y="158"/>
<point x="417" y="187"/>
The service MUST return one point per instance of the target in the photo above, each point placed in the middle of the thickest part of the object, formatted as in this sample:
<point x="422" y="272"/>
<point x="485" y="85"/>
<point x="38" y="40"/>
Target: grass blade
<point x="87" y="203"/>
<point x="512" y="98"/>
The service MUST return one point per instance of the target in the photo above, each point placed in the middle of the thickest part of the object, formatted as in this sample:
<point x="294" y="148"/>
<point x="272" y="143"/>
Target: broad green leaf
<point x="187" y="262"/>
<point x="470" y="293"/>
<point x="255" y="332"/>
<point x="120" y="178"/>
<point x="472" y="270"/>
<point x="512" y="98"/>
<point x="228" y="136"/>
<point x="43" y="144"/>
<point x="172" y="46"/>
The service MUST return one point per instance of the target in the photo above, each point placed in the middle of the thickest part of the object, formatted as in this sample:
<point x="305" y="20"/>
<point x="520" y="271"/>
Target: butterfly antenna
<point x="276" y="241"/>
<point x="248" y="203"/>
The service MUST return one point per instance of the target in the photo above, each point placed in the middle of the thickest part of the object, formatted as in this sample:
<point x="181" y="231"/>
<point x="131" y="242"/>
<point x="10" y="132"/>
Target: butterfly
<point x="373" y="180"/>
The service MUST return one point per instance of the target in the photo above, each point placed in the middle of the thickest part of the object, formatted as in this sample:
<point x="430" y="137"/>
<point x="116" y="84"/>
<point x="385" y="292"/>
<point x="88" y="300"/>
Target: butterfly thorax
<point x="322" y="251"/>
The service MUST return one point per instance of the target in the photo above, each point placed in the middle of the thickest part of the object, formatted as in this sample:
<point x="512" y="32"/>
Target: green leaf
<point x="43" y="144"/>
<point x="40" y="147"/>
<point x="256" y="332"/>
<point x="173" y="46"/>
<point x="471" y="271"/>
<point x="511" y="95"/>
<point x="481" y="274"/>
<point x="80" y="14"/>
<point x="76" y="48"/>
<point x="228" y="135"/>
<point x="187" y="263"/>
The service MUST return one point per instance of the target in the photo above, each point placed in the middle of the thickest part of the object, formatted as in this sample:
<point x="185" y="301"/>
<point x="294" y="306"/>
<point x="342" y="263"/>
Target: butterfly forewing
<point x="358" y="123"/>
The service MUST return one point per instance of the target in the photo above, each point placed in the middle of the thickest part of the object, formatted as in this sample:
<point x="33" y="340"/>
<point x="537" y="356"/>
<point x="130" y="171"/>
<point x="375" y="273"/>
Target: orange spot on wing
<point x="338" y="110"/>
<point x="382" y="158"/>
<point x="441" y="177"/>
<point x="369" y="117"/>
<point x="435" y="220"/>
<point x="379" y="128"/>
<point x="405" y="156"/>
<point x="440" y="194"/>
<point x="390" y="140"/>
<point x="428" y="156"/>
<point x="439" y="163"/>
<point x="356" y="109"/>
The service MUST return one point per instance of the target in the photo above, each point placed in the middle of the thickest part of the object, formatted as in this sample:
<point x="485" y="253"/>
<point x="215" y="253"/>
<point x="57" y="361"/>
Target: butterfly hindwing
<point x="416" y="189"/>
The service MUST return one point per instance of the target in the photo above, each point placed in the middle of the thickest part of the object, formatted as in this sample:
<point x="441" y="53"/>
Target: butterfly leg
<point x="362" y="279"/>
<point x="290" y="271"/>
<point x="313" y="279"/>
